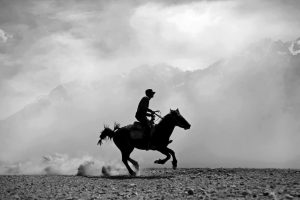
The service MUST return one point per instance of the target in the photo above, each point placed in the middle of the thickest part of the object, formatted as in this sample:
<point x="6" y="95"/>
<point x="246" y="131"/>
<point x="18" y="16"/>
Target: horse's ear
<point x="171" y="110"/>
<point x="177" y="110"/>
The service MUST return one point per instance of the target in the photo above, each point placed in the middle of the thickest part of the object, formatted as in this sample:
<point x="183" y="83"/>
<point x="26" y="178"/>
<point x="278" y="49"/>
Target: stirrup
<point x="148" y="147"/>
<point x="152" y="147"/>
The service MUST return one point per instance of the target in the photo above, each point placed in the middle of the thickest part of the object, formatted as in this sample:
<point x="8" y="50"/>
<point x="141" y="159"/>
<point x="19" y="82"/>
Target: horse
<point x="127" y="138"/>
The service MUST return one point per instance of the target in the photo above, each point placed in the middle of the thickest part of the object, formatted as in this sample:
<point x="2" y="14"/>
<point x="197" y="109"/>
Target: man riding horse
<point x="143" y="111"/>
<point x="129" y="137"/>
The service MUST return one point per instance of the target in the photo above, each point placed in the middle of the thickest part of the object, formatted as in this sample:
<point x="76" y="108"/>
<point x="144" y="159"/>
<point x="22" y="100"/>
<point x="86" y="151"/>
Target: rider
<point x="143" y="111"/>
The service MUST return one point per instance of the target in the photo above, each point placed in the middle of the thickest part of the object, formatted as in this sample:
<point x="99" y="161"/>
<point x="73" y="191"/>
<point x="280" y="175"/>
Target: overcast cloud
<point x="45" y="43"/>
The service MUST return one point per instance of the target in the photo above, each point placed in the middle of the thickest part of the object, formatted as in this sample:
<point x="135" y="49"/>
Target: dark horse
<point x="129" y="137"/>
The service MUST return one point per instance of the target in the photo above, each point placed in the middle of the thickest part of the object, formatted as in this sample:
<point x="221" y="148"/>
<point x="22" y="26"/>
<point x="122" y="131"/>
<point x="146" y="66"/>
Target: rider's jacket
<point x="143" y="107"/>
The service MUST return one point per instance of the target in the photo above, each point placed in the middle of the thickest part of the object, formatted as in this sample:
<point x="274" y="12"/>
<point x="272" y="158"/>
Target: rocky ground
<point x="158" y="183"/>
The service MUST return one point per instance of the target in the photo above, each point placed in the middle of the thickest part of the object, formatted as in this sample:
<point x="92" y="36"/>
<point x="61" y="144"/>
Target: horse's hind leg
<point x="174" y="161"/>
<point x="165" y="152"/>
<point x="126" y="149"/>
<point x="125" y="158"/>
<point x="135" y="163"/>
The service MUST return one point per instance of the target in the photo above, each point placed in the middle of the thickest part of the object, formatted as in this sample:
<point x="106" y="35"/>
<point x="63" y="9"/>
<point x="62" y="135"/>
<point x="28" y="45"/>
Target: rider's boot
<point x="147" y="132"/>
<point x="149" y="144"/>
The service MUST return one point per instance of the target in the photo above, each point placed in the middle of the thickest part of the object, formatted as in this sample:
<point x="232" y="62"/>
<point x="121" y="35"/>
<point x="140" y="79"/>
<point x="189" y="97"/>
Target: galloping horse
<point x="127" y="138"/>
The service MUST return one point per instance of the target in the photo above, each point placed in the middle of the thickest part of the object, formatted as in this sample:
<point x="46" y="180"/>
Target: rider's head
<point x="149" y="93"/>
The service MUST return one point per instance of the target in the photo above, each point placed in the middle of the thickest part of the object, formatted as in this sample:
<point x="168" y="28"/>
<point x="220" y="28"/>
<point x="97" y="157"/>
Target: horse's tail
<point x="108" y="133"/>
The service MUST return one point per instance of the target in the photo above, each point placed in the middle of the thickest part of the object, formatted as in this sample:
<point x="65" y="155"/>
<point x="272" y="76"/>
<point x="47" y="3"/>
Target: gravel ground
<point x="159" y="183"/>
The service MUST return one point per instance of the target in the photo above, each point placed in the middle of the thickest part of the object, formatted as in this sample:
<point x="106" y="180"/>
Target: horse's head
<point x="179" y="119"/>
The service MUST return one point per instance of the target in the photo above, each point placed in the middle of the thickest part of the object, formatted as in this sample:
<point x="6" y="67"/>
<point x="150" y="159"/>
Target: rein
<point x="158" y="115"/>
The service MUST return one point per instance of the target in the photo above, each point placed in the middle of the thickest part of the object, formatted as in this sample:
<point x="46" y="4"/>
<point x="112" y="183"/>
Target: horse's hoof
<point x="133" y="174"/>
<point x="174" y="165"/>
<point x="158" y="162"/>
<point x="137" y="167"/>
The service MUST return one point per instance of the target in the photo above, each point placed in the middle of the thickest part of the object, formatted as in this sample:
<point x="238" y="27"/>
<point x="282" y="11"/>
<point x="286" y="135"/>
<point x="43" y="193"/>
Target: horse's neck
<point x="165" y="126"/>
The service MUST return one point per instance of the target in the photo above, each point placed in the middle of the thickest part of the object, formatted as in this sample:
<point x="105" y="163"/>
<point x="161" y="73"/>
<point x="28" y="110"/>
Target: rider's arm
<point x="153" y="111"/>
<point x="149" y="112"/>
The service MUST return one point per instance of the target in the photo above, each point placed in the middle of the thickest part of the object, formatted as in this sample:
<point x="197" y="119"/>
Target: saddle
<point x="137" y="130"/>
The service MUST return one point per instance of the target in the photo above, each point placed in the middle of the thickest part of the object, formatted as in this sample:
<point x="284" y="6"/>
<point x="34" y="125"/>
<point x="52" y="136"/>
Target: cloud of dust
<point x="62" y="164"/>
<point x="56" y="164"/>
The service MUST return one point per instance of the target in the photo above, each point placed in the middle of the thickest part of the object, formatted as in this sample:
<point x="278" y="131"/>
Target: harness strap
<point x="158" y="115"/>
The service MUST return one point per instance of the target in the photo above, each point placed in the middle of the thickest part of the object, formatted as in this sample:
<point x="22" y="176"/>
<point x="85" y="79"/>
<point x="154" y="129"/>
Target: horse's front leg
<point x="165" y="152"/>
<point x="174" y="161"/>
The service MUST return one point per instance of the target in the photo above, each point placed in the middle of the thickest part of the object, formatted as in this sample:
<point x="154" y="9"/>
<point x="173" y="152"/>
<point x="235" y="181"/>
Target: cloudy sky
<point x="44" y="44"/>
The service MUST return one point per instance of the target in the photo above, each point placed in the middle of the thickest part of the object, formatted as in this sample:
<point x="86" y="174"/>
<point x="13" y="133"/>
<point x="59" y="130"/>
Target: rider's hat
<point x="149" y="92"/>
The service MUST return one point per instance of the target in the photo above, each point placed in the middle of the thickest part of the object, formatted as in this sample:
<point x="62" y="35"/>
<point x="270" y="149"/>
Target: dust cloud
<point x="56" y="164"/>
<point x="62" y="164"/>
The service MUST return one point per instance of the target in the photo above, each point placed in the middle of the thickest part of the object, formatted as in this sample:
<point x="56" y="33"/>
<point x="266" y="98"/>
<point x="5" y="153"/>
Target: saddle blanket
<point x="137" y="130"/>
